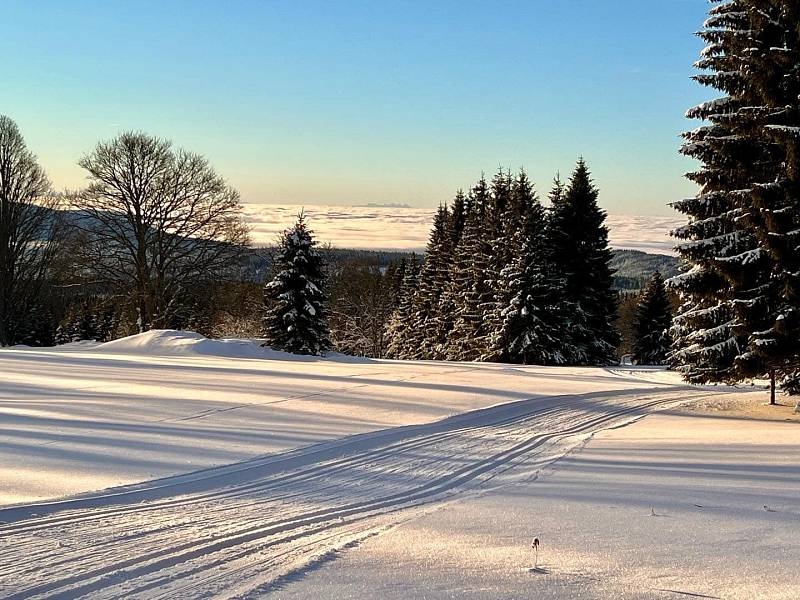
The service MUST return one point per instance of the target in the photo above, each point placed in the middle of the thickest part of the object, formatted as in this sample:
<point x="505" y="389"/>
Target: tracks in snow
<point x="226" y="532"/>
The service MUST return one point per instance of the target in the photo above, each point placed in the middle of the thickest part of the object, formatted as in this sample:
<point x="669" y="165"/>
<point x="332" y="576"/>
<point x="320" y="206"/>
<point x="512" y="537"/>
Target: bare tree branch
<point x="157" y="221"/>
<point x="29" y="227"/>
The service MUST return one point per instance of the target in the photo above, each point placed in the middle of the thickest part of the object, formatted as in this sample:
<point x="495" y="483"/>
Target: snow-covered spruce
<point x="505" y="280"/>
<point x="295" y="299"/>
<point x="533" y="309"/>
<point x="653" y="318"/>
<point x="472" y="285"/>
<point x="578" y="242"/>
<point x="398" y="332"/>
<point x="426" y="314"/>
<point x="741" y="250"/>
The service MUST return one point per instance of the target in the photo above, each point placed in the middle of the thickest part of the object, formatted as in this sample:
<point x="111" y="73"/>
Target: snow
<point x="200" y="468"/>
<point x="183" y="343"/>
<point x="792" y="131"/>
<point x="675" y="505"/>
<point x="86" y="416"/>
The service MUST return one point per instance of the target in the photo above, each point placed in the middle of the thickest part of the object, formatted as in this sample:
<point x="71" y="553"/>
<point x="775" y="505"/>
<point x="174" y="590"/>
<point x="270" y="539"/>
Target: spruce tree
<point x="394" y="276"/>
<point x="398" y="332"/>
<point x="62" y="334"/>
<point x="37" y="327"/>
<point x="502" y="227"/>
<point x="457" y="216"/>
<point x="531" y="313"/>
<point x="578" y="243"/>
<point x="470" y="336"/>
<point x="424" y="327"/>
<point x="85" y="326"/>
<point x="653" y="319"/>
<point x="772" y="320"/>
<point x="78" y="325"/>
<point x="731" y="288"/>
<point x="708" y="336"/>
<point x="295" y="299"/>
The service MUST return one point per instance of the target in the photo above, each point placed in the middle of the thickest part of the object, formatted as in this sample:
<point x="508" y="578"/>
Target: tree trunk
<point x="5" y="334"/>
<point x="772" y="387"/>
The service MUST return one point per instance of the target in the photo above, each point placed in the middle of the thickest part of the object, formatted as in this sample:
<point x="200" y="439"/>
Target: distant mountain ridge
<point x="384" y="205"/>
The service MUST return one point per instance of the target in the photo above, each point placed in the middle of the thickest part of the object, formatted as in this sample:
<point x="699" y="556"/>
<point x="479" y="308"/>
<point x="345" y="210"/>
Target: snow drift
<point x="169" y="342"/>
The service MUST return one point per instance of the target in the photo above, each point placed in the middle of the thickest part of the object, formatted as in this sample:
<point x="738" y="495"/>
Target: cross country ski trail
<point x="235" y="531"/>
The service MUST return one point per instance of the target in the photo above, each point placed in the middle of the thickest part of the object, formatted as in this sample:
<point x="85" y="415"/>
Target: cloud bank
<point x="391" y="228"/>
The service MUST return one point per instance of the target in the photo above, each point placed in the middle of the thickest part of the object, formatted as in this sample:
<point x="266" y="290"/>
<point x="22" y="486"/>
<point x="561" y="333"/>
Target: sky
<point x="348" y="103"/>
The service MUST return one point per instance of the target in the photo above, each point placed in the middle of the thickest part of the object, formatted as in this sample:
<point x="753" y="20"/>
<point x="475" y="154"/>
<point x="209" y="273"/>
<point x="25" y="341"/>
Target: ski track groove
<point x="274" y="484"/>
<point x="277" y="517"/>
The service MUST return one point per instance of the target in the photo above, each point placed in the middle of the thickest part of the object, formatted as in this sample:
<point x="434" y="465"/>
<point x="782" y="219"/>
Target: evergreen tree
<point x="707" y="335"/>
<point x="84" y="327"/>
<point x="502" y="227"/>
<point x="772" y="319"/>
<point x="470" y="336"/>
<point x="295" y="299"/>
<point x="78" y="325"/>
<point x="398" y="332"/>
<point x="424" y="326"/>
<point x="63" y="334"/>
<point x="38" y="327"/>
<point x="732" y="289"/>
<point x="395" y="274"/>
<point x="456" y="221"/>
<point x="578" y="243"/>
<point x="90" y="319"/>
<point x="530" y="312"/>
<point x="105" y="322"/>
<point x="653" y="319"/>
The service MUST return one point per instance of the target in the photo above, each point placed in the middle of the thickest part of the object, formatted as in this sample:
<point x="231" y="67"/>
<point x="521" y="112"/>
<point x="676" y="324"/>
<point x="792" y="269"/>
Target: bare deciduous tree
<point x="28" y="231"/>
<point x="361" y="304"/>
<point x="157" y="220"/>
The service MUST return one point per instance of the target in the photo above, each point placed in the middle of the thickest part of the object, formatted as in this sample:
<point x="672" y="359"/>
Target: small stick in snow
<point x="535" y="546"/>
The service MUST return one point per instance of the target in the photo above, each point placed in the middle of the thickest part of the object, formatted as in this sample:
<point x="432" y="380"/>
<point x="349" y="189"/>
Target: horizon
<point x="402" y="104"/>
<point x="367" y="227"/>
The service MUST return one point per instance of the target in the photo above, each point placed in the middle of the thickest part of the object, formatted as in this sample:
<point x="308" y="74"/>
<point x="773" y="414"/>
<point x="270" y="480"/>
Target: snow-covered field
<point x="672" y="506"/>
<point x="242" y="468"/>
<point x="79" y="418"/>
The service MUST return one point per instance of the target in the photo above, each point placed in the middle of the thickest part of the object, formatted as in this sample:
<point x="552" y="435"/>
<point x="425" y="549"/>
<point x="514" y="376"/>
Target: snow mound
<point x="79" y="346"/>
<point x="168" y="342"/>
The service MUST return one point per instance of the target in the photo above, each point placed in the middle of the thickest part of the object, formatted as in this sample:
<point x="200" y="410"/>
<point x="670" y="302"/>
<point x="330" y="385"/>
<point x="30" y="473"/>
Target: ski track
<point x="234" y="531"/>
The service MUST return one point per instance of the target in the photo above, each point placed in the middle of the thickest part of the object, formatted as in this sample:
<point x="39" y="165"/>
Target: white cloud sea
<point x="407" y="228"/>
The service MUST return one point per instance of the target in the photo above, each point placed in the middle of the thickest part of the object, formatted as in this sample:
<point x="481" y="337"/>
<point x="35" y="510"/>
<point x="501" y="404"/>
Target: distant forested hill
<point x="633" y="268"/>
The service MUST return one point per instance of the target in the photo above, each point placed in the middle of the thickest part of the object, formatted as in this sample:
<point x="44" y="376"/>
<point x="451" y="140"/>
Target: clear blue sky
<point x="353" y="102"/>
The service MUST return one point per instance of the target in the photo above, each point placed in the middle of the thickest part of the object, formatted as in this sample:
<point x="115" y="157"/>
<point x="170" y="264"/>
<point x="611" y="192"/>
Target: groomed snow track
<point x="240" y="530"/>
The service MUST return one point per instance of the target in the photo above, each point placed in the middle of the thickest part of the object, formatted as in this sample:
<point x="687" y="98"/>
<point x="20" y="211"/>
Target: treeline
<point x="156" y="240"/>
<point x="505" y="279"/>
